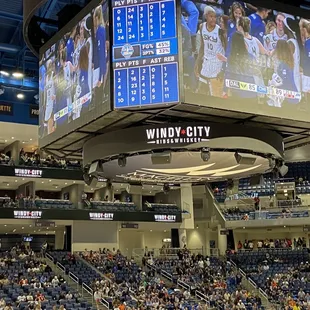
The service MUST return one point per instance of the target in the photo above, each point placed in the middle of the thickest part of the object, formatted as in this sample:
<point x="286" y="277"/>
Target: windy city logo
<point x="177" y="135"/>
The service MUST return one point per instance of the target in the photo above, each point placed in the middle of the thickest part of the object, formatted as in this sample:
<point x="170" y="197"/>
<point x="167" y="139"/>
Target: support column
<point x="186" y="195"/>
<point x="75" y="192"/>
<point x="182" y="238"/>
<point x="27" y="189"/>
<point x="221" y="241"/>
<point x="137" y="200"/>
<point x="207" y="242"/>
<point x="59" y="239"/>
<point x="14" y="149"/>
<point x="103" y="193"/>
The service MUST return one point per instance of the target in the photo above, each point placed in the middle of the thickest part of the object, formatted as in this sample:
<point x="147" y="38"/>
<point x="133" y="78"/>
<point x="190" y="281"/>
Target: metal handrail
<point x="60" y="266"/>
<point x="183" y="285"/>
<point x="105" y="303"/>
<point x="49" y="257"/>
<point x="167" y="275"/>
<point x="263" y="293"/>
<point x="203" y="297"/>
<point x="87" y="288"/>
<point x="73" y="277"/>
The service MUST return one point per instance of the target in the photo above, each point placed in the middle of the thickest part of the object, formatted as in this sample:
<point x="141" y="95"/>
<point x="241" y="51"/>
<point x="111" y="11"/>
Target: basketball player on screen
<point x="271" y="39"/>
<point x="50" y="97"/>
<point x="208" y="66"/>
<point x="305" y="33"/>
<point x="290" y="29"/>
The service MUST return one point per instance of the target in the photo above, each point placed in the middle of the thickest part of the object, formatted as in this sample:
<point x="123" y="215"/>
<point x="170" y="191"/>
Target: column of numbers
<point x="134" y="86"/>
<point x="154" y="28"/>
<point x="156" y="84"/>
<point x="121" y="88"/>
<point x="145" y="85"/>
<point x="170" y="82"/>
<point x="143" y="23"/>
<point x="132" y="24"/>
<point x="167" y="19"/>
<point x="119" y="17"/>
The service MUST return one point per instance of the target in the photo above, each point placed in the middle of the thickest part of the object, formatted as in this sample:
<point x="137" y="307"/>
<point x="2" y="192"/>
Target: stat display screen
<point x="145" y="53"/>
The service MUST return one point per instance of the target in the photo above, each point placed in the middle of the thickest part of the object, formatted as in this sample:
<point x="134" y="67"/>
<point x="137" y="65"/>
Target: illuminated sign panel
<point x="29" y="173"/>
<point x="101" y="216"/>
<point x="177" y="134"/>
<point x="24" y="214"/>
<point x="165" y="218"/>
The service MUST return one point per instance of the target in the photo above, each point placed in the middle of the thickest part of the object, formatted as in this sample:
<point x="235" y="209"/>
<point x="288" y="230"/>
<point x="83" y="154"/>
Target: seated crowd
<point x="217" y="280"/>
<point x="140" y="288"/>
<point x="272" y="244"/>
<point x="28" y="283"/>
<point x="282" y="274"/>
<point x="35" y="160"/>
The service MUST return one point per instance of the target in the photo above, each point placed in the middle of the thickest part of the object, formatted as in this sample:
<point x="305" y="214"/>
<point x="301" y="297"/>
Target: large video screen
<point x="74" y="75"/>
<point x="244" y="58"/>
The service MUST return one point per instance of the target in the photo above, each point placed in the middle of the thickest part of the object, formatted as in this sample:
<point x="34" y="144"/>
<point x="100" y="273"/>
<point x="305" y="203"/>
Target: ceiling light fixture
<point x="5" y="73"/>
<point x="205" y="154"/>
<point x="18" y="75"/>
<point x="31" y="139"/>
<point x="20" y="96"/>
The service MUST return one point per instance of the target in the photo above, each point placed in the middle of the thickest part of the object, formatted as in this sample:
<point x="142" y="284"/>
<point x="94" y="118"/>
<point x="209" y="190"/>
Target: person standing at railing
<point x="97" y="297"/>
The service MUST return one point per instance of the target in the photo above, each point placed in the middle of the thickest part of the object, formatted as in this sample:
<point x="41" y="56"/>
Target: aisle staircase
<point x="73" y="281"/>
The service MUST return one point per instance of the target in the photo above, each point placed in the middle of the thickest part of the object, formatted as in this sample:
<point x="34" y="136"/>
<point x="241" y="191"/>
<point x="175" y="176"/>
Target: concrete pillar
<point x="75" y="192"/>
<point x="186" y="198"/>
<point x="182" y="238"/>
<point x="59" y="239"/>
<point x="14" y="148"/>
<point x="27" y="189"/>
<point x="137" y="200"/>
<point x="207" y="242"/>
<point x="221" y="241"/>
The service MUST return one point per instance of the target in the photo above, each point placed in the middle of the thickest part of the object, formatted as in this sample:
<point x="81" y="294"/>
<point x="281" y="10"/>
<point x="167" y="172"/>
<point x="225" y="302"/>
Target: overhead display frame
<point x="246" y="57"/>
<point x="74" y="85"/>
<point x="145" y="53"/>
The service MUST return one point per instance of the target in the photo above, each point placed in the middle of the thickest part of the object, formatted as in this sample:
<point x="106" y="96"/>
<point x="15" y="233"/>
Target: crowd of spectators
<point x="216" y="279"/>
<point x="135" y="287"/>
<point x="28" y="283"/>
<point x="35" y="160"/>
<point x="289" y="289"/>
<point x="286" y="243"/>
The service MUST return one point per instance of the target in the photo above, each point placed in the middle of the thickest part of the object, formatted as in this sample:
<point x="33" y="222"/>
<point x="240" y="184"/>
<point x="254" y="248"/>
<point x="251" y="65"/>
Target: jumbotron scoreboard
<point x="145" y="53"/>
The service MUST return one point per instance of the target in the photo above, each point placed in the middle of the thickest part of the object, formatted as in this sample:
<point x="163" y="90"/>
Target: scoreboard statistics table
<point x="145" y="53"/>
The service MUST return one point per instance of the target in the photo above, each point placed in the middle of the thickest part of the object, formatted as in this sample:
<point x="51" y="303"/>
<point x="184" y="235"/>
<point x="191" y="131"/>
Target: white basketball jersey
<point x="50" y="92"/>
<point x="211" y="65"/>
<point x="67" y="75"/>
<point x="253" y="47"/>
<point x="270" y="40"/>
<point x="296" y="63"/>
